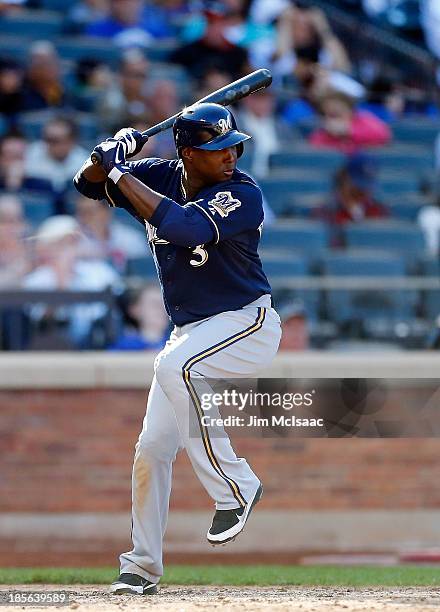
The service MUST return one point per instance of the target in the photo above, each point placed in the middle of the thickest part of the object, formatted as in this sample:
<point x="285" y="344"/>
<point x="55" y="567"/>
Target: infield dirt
<point x="96" y="598"/>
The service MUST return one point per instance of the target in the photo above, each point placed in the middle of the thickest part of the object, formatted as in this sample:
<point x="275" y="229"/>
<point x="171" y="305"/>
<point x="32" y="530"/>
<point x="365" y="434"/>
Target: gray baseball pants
<point x="231" y="344"/>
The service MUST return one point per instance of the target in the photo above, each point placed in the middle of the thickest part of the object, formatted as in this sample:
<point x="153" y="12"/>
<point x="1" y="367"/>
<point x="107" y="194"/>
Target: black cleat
<point x="132" y="584"/>
<point x="227" y="524"/>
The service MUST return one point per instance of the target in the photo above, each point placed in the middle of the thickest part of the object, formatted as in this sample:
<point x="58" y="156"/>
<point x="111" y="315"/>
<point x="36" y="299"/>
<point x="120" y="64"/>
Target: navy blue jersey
<point x="224" y="272"/>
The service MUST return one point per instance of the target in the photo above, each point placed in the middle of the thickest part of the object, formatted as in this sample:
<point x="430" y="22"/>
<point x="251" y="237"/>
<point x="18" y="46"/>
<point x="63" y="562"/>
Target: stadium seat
<point x="37" y="207"/>
<point x="82" y="47"/>
<point x="307" y="157"/>
<point x="87" y="127"/>
<point x="14" y="46"/>
<point x="430" y="266"/>
<point x="142" y="267"/>
<point x="307" y="126"/>
<point x="3" y="125"/>
<point x="32" y="123"/>
<point x="404" y="183"/>
<point x="367" y="304"/>
<point x="401" y="157"/>
<point x="32" y="24"/>
<point x="406" y="211"/>
<point x="296" y="235"/>
<point x="86" y="102"/>
<point x="419" y="131"/>
<point x="53" y="5"/>
<point x="279" y="192"/>
<point x="79" y="47"/>
<point x="305" y="206"/>
<point x="160" y="70"/>
<point x="124" y="217"/>
<point x="161" y="50"/>
<point x="385" y="234"/>
<point x="280" y="267"/>
<point x="394" y="158"/>
<point x="40" y="186"/>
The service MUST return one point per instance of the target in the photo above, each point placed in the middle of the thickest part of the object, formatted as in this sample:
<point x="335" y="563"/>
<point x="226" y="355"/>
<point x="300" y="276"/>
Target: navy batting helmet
<point x="208" y="126"/>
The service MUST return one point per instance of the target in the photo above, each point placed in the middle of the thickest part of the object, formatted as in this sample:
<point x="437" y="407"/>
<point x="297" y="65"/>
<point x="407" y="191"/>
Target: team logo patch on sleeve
<point x="223" y="203"/>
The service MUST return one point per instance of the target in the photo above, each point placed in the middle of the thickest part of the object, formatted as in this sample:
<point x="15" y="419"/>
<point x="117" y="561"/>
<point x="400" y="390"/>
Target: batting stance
<point x="203" y="218"/>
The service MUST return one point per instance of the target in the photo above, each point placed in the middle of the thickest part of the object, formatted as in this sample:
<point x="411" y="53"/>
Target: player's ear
<point x="187" y="153"/>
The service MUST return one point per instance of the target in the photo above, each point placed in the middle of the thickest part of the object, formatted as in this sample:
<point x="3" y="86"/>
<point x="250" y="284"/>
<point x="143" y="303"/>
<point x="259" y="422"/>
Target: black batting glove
<point x="112" y="154"/>
<point x="132" y="140"/>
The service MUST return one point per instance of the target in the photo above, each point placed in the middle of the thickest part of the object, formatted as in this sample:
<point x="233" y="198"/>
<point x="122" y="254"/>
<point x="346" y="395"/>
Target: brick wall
<point x="71" y="451"/>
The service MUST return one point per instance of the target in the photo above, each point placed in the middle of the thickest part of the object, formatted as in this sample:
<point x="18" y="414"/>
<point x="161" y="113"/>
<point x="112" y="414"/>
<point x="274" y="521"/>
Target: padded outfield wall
<point x="68" y="425"/>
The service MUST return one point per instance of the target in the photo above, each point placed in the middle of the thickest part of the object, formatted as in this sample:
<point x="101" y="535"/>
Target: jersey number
<point x="200" y="252"/>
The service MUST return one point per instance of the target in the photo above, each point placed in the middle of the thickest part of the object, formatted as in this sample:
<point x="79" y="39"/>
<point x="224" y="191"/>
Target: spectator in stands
<point x="43" y="86"/>
<point x="125" y="24"/>
<point x="147" y="326"/>
<point x="86" y="12"/>
<point x="60" y="267"/>
<point x="163" y="103"/>
<point x="375" y="8"/>
<point x="11" y="86"/>
<point x="241" y="30"/>
<point x="302" y="27"/>
<point x="105" y="238"/>
<point x="403" y="17"/>
<point x="58" y="156"/>
<point x="15" y="260"/>
<point x="307" y="74"/>
<point x="211" y="80"/>
<point x="433" y="340"/>
<point x="384" y="99"/>
<point x="163" y="100"/>
<point x="437" y="157"/>
<point x="428" y="219"/>
<point x="8" y="7"/>
<point x="258" y="120"/>
<point x="127" y="101"/>
<point x="313" y="81"/>
<point x="214" y="48"/>
<point x="352" y="200"/>
<point x="261" y="11"/>
<point x="12" y="153"/>
<point x="345" y="129"/>
<point x="263" y="17"/>
<point x="92" y="78"/>
<point x="295" y="336"/>
<point x="430" y="22"/>
<point x="165" y="18"/>
<point x="136" y="23"/>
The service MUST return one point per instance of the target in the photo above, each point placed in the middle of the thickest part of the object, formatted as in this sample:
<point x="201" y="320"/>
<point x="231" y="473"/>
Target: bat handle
<point x="96" y="158"/>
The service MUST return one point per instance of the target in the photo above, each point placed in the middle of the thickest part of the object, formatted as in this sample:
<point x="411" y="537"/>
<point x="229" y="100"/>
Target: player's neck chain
<point x="188" y="192"/>
<point x="182" y="188"/>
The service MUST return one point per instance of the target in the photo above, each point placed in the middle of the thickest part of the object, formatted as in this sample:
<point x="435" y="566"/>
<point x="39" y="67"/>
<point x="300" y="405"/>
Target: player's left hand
<point x="113" y="158"/>
<point x="132" y="139"/>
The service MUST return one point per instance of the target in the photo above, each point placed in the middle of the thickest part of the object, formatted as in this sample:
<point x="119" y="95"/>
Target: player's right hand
<point x="112" y="155"/>
<point x="132" y="141"/>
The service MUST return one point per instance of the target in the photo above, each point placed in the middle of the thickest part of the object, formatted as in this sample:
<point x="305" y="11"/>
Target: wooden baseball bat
<point x="226" y="95"/>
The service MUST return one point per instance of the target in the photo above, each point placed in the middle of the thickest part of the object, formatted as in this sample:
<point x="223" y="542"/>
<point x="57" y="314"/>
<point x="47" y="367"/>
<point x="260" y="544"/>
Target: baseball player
<point x="203" y="219"/>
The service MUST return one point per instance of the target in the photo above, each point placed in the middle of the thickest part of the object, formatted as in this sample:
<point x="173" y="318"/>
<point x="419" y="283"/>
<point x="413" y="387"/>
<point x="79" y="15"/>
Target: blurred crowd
<point x="164" y="54"/>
